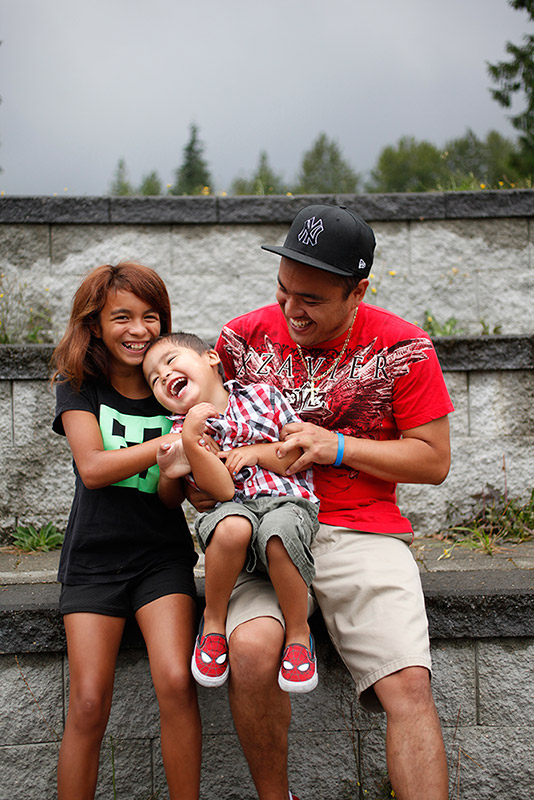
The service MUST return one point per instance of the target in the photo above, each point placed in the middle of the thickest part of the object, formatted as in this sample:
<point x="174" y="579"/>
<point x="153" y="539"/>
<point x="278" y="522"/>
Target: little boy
<point x="263" y="518"/>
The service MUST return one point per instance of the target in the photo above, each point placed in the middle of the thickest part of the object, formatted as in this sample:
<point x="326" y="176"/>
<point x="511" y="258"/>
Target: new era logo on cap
<point x="331" y="238"/>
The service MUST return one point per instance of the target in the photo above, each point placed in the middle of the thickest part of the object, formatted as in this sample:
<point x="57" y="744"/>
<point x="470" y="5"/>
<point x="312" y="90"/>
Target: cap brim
<point x="294" y="255"/>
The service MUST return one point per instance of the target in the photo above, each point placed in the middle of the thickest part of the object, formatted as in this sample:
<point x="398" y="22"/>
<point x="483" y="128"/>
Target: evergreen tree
<point x="503" y="159"/>
<point x="410" y="166"/>
<point x="151" y="184"/>
<point x="486" y="161"/>
<point x="517" y="76"/>
<point x="193" y="175"/>
<point x="263" y="181"/>
<point x="323" y="170"/>
<point x="120" y="184"/>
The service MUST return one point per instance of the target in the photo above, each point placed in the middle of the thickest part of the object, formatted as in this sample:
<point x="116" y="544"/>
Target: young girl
<point x="124" y="551"/>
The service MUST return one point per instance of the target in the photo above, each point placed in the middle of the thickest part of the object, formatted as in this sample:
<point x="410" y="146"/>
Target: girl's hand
<point x="239" y="457"/>
<point x="172" y="460"/>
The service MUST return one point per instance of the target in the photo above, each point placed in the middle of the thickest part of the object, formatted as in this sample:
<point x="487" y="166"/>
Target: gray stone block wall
<point x="463" y="255"/>
<point x="336" y="748"/>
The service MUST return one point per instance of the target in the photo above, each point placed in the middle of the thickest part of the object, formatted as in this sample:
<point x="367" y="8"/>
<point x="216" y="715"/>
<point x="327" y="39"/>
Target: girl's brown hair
<point x="80" y="353"/>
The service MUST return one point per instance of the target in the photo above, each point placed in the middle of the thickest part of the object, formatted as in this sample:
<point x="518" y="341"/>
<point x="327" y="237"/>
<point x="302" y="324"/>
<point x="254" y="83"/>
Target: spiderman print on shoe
<point x="298" y="671"/>
<point x="209" y="663"/>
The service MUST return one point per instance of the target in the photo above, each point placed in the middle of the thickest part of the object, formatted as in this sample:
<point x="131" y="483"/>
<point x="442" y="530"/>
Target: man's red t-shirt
<point x="388" y="380"/>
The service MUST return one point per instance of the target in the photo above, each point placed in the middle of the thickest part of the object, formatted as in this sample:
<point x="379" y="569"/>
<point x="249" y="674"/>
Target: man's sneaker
<point x="209" y="663"/>
<point x="298" y="671"/>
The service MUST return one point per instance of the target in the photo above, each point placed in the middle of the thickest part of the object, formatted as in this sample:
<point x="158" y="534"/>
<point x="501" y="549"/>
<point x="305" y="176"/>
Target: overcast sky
<point x="85" y="83"/>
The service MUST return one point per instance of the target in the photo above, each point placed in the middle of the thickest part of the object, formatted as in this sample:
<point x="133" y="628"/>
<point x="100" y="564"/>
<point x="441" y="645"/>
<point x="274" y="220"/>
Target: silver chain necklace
<point x="316" y="379"/>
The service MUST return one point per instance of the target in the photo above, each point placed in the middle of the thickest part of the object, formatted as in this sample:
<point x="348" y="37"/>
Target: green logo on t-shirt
<point x="124" y="430"/>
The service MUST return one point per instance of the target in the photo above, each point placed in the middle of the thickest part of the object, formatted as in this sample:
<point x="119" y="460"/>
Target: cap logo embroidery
<point x="362" y="264"/>
<point x="310" y="232"/>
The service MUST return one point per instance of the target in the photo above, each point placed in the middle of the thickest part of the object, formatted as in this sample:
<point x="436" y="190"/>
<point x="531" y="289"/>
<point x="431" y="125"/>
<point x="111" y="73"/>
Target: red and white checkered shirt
<point x="255" y="413"/>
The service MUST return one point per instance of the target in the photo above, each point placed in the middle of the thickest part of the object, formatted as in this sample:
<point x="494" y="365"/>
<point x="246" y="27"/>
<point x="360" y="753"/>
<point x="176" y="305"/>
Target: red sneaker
<point x="209" y="663"/>
<point x="298" y="671"/>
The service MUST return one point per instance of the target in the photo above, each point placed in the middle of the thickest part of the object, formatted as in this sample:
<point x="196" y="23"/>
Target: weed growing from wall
<point x="25" y="317"/>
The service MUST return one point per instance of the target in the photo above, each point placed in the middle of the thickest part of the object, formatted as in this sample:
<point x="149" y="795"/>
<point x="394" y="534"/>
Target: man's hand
<point x="319" y="446"/>
<point x="200" y="500"/>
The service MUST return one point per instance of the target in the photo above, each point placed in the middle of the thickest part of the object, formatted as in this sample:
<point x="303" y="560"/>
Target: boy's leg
<point x="225" y="558"/>
<point x="291" y="590"/>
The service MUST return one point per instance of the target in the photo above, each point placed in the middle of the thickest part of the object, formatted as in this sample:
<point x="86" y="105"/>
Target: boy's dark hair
<point x="183" y="339"/>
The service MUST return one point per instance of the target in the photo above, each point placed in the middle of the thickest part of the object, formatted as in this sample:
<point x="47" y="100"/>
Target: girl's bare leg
<point x="93" y="642"/>
<point x="168" y="625"/>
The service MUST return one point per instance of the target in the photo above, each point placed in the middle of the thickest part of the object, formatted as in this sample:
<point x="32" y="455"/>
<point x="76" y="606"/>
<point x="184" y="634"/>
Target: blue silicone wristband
<point x="340" y="450"/>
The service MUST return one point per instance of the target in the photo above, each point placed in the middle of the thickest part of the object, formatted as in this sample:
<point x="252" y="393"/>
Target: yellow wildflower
<point x="392" y="272"/>
<point x="373" y="289"/>
<point x="482" y="185"/>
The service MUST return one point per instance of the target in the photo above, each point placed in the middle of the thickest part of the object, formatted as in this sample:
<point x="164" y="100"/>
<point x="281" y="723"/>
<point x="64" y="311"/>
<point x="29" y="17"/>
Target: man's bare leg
<point x="261" y="710"/>
<point x="416" y="759"/>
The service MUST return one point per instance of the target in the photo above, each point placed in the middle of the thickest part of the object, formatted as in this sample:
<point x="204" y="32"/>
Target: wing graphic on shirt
<point x="360" y="397"/>
<point x="355" y="398"/>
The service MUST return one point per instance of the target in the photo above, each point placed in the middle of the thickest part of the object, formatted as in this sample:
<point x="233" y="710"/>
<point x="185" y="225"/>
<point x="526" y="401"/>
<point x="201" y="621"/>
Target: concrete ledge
<point x="267" y="208"/>
<point x="455" y="353"/>
<point x="464" y="604"/>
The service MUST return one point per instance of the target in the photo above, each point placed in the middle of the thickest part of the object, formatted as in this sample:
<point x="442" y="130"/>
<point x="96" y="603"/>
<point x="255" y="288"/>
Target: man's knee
<point x="404" y="691"/>
<point x="255" y="648"/>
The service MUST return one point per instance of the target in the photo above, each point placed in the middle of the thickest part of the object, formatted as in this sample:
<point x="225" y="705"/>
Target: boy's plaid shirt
<point x="256" y="413"/>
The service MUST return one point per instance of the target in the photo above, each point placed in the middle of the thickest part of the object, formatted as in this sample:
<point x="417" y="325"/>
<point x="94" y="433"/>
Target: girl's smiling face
<point x="126" y="326"/>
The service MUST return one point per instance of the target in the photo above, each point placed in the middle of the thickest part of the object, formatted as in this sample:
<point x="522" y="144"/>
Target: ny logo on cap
<point x="310" y="232"/>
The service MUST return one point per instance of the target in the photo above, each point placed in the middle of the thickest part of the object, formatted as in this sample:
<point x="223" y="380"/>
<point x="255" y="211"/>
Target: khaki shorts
<point x="369" y="591"/>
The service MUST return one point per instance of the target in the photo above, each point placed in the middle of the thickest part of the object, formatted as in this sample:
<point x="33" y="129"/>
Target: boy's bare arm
<point x="209" y="472"/>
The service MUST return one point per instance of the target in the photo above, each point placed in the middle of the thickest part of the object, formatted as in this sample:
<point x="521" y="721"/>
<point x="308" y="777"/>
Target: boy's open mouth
<point x="176" y="386"/>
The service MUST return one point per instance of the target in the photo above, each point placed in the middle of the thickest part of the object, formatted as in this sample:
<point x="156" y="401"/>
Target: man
<point x="369" y="390"/>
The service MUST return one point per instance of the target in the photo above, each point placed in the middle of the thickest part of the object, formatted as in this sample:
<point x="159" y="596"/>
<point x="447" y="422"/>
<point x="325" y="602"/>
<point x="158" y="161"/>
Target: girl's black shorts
<point x="122" y="598"/>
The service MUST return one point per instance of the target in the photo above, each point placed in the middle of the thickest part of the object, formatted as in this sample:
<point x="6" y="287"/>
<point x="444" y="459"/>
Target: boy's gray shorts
<point x="292" y="519"/>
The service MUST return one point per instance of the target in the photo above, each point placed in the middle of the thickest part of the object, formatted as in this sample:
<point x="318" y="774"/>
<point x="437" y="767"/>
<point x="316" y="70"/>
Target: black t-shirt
<point x="119" y="531"/>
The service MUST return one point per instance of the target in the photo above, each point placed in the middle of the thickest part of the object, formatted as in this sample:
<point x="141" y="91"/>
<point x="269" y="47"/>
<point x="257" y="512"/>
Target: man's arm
<point x="263" y="454"/>
<point x="422" y="455"/>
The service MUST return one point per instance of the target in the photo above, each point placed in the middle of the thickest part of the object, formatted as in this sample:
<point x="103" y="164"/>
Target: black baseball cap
<point x="330" y="238"/>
